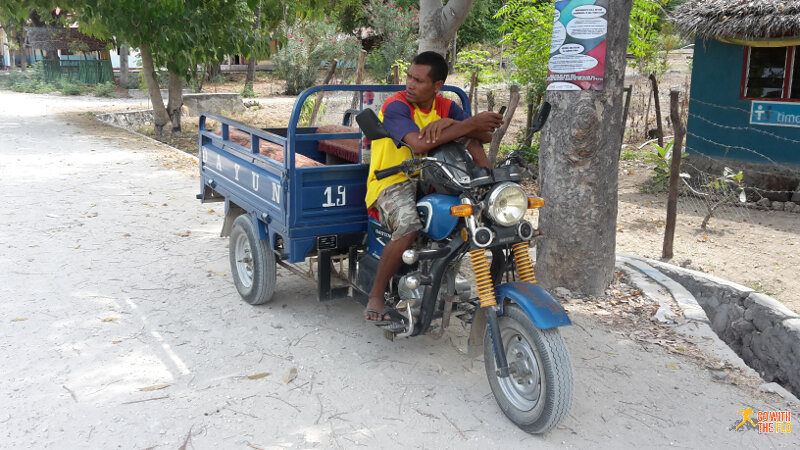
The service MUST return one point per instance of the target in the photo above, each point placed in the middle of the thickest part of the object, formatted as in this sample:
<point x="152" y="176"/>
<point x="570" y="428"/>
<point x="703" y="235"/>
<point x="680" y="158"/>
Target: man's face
<point x="419" y="86"/>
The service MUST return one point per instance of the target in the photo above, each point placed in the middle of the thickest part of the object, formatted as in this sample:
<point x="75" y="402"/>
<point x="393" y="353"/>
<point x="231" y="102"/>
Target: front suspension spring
<point x="522" y="259"/>
<point x="483" y="277"/>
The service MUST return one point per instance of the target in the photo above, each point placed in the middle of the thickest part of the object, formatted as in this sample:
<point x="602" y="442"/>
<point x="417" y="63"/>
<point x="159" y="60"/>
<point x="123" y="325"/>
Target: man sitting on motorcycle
<point x="423" y="119"/>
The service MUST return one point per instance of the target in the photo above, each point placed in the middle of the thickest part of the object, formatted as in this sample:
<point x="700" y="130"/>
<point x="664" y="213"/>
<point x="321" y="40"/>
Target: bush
<point x="162" y="78"/>
<point x="529" y="153"/>
<point x="133" y="83"/>
<point x="31" y="81"/>
<point x="68" y="88"/>
<point x="308" y="45"/>
<point x="142" y="81"/>
<point x="43" y="88"/>
<point x="628" y="154"/>
<point x="398" y="30"/>
<point x="662" y="158"/>
<point x="219" y="79"/>
<point x="248" y="92"/>
<point x="105" y="90"/>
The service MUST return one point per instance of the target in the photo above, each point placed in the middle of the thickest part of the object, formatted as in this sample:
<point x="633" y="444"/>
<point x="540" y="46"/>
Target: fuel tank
<point x="434" y="213"/>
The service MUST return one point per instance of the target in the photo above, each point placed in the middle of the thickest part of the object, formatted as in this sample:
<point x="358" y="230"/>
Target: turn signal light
<point x="461" y="210"/>
<point x="535" y="202"/>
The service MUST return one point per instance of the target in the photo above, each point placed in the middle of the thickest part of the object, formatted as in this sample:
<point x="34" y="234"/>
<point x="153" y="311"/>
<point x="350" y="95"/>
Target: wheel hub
<point x="244" y="261"/>
<point x="523" y="386"/>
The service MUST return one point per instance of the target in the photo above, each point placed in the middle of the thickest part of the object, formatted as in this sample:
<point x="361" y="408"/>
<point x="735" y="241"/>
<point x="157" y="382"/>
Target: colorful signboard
<point x="578" y="46"/>
<point x="778" y="114"/>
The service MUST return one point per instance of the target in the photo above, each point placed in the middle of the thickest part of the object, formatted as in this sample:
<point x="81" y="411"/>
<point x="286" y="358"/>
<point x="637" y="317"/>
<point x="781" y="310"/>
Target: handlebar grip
<point x="381" y="174"/>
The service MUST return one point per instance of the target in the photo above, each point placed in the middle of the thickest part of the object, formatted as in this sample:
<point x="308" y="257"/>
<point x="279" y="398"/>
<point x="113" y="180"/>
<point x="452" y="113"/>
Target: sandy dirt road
<point x="120" y="328"/>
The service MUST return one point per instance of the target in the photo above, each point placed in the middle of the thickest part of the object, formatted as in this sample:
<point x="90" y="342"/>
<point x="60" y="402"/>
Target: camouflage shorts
<point x="397" y="206"/>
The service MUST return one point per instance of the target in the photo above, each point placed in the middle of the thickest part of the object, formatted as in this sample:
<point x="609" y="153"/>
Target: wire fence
<point x="738" y="216"/>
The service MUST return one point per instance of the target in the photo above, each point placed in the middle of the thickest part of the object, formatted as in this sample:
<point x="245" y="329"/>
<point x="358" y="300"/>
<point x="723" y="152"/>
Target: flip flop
<point x="385" y="317"/>
<point x="396" y="322"/>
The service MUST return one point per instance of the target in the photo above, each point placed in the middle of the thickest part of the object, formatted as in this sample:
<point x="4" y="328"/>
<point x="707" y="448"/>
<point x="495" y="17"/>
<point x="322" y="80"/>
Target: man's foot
<point x="376" y="310"/>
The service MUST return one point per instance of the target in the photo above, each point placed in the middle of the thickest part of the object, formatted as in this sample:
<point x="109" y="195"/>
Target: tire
<point x="546" y="399"/>
<point x="252" y="262"/>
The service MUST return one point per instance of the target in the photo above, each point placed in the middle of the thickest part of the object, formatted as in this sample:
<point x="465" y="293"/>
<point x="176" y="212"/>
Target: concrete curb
<point x="686" y="301"/>
<point x="765" y="333"/>
<point x="106" y="119"/>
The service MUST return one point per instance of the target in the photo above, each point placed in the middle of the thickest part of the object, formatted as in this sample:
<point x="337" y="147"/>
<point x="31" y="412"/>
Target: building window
<point x="794" y="84"/>
<point x="772" y="72"/>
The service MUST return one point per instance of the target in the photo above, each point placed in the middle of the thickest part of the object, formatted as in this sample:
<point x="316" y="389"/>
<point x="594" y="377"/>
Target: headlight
<point x="507" y="203"/>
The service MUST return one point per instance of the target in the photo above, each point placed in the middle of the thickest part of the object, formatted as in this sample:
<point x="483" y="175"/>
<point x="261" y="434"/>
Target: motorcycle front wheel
<point x="537" y="396"/>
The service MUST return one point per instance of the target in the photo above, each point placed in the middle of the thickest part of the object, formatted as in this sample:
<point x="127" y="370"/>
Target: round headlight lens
<point x="507" y="203"/>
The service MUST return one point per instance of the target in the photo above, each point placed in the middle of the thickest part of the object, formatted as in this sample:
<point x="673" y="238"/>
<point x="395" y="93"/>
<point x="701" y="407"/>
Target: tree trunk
<point x="175" y="102"/>
<point x="213" y="70"/>
<point x="473" y="82"/>
<point x="579" y="157"/>
<point x="23" y="54"/>
<point x="452" y="63"/>
<point x="124" y="75"/>
<point x="160" y="116"/>
<point x="497" y="137"/>
<point x="438" y="23"/>
<point x="251" y="62"/>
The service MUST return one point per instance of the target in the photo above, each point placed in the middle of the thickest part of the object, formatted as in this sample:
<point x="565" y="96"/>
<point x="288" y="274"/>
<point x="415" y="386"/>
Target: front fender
<point x="543" y="310"/>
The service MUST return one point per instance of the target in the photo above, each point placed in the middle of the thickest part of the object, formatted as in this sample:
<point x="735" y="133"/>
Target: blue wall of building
<point x="719" y="122"/>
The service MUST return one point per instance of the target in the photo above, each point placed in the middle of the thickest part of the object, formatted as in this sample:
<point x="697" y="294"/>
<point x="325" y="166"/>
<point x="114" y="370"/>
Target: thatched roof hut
<point x="739" y="19"/>
<point x="51" y="39"/>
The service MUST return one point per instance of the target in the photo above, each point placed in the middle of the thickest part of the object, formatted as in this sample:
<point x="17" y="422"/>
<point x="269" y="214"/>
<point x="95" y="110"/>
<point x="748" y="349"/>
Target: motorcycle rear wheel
<point x="538" y="396"/>
<point x="252" y="263"/>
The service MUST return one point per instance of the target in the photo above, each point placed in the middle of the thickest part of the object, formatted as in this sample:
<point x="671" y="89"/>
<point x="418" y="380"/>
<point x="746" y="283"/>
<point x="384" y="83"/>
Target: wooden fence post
<point x="674" y="174"/>
<point x="362" y="57"/>
<point x="321" y="93"/>
<point x="657" y="103"/>
<point x="627" y="91"/>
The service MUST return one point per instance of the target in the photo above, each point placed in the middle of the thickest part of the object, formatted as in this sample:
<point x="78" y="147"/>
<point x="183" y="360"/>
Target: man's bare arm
<point x="483" y="123"/>
<point x="478" y="153"/>
<point x="482" y="137"/>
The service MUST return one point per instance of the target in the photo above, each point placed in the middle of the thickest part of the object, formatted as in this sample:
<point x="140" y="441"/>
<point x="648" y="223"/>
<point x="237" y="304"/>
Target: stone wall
<point x="219" y="103"/>
<point x="760" y="329"/>
<point x="130" y="120"/>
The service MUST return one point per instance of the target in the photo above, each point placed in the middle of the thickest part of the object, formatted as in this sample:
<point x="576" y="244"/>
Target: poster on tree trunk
<point x="578" y="46"/>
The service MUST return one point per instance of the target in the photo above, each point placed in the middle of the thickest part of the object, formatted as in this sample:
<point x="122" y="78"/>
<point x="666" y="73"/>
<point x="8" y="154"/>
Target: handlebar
<point x="381" y="174"/>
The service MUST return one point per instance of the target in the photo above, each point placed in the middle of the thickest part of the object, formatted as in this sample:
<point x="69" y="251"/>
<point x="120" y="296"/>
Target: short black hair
<point x="436" y="62"/>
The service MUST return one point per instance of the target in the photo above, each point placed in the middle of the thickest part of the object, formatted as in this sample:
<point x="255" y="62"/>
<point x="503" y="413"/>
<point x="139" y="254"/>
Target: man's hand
<point x="486" y="122"/>
<point x="433" y="130"/>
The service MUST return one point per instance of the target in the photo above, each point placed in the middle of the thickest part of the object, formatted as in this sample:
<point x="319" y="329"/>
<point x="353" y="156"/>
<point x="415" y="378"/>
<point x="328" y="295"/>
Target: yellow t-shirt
<point x="400" y="118"/>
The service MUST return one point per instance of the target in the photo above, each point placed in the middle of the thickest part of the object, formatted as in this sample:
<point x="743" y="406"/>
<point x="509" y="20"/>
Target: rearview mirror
<point x="372" y="126"/>
<point x="541" y="118"/>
